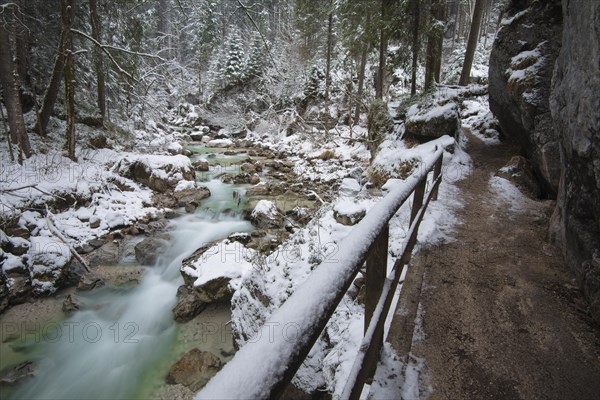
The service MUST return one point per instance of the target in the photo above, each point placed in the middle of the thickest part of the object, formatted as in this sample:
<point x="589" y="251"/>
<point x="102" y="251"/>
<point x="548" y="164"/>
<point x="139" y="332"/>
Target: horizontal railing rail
<point x="264" y="367"/>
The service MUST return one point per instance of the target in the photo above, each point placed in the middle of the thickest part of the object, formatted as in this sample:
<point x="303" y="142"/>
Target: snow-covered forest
<point x="173" y="171"/>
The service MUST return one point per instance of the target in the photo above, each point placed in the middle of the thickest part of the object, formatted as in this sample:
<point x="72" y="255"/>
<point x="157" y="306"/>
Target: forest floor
<point x="496" y="313"/>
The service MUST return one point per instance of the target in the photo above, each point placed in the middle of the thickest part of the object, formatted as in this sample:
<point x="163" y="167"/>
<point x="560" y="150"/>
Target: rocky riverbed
<point x="117" y="257"/>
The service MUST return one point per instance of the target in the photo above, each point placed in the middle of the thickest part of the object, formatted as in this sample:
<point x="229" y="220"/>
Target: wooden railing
<point x="265" y="367"/>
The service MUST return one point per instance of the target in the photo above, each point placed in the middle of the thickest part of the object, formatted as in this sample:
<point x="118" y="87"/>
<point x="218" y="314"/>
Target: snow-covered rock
<point x="201" y="164"/>
<point x="47" y="258"/>
<point x="433" y="121"/>
<point x="521" y="67"/>
<point x="217" y="271"/>
<point x="348" y="212"/>
<point x="266" y="215"/>
<point x="219" y="143"/>
<point x="260" y="189"/>
<point x="349" y="187"/>
<point x="175" y="148"/>
<point x="187" y="192"/>
<point x="160" y="173"/>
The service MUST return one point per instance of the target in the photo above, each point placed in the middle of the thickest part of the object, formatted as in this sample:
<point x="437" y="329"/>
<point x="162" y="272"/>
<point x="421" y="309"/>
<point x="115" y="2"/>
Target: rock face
<point x="194" y="369"/>
<point x="433" y="121"/>
<point x="575" y="104"/>
<point x="521" y="67"/>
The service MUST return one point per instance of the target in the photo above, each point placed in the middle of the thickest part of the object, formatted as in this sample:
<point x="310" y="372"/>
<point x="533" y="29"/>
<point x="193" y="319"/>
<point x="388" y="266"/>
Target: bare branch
<point x="115" y="63"/>
<point x="52" y="228"/>
<point x="32" y="186"/>
<point x="108" y="46"/>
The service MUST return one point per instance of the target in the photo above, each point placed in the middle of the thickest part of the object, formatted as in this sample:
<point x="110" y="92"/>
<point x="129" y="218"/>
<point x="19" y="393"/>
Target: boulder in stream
<point x="70" y="304"/>
<point x="186" y="194"/>
<point x="188" y="305"/>
<point x="148" y="250"/>
<point x="15" y="375"/>
<point x="266" y="215"/>
<point x="89" y="281"/>
<point x="201" y="165"/>
<point x="215" y="271"/>
<point x="194" y="369"/>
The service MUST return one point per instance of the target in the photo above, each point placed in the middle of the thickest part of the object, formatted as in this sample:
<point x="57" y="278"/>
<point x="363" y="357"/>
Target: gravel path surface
<point x="499" y="314"/>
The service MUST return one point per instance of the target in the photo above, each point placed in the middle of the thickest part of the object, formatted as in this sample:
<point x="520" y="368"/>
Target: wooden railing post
<point x="437" y="172"/>
<point x="418" y="199"/>
<point x="376" y="272"/>
<point x="374" y="280"/>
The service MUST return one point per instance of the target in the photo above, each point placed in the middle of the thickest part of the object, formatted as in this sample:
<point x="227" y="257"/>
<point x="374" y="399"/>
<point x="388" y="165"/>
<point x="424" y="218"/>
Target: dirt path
<point x="500" y="313"/>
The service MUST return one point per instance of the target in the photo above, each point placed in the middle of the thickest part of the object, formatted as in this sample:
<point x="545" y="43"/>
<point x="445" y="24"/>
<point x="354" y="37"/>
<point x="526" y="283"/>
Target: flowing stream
<point x="114" y="346"/>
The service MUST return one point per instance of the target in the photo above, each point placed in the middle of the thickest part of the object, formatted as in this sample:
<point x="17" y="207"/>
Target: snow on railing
<point x="267" y="363"/>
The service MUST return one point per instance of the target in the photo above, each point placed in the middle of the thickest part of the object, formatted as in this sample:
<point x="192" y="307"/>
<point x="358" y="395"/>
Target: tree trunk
<point x="361" y="75"/>
<point x="415" y="45"/>
<point x="66" y="11"/>
<point x="461" y="21"/>
<point x="383" y="43"/>
<point x="98" y="61"/>
<point x="52" y="90"/>
<point x="453" y="16"/>
<point x="434" y="43"/>
<point x="329" y="48"/>
<point x="440" y="15"/>
<point x="7" y="135"/>
<point x="22" y="40"/>
<point x="9" y="78"/>
<point x="163" y="27"/>
<point x="472" y="44"/>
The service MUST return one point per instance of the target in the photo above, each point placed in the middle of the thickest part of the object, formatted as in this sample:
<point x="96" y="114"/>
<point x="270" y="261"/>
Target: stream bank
<point x="128" y="278"/>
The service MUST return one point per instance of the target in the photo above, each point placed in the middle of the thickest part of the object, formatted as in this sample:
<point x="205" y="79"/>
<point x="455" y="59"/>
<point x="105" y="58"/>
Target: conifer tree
<point x="215" y="76"/>
<point x="313" y="88"/>
<point x="256" y="62"/>
<point x="233" y="68"/>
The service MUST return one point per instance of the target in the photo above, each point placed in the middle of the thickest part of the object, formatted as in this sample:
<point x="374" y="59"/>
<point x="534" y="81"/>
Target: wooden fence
<point x="265" y="367"/>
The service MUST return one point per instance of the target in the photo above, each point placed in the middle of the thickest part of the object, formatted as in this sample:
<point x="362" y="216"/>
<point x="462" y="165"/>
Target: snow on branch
<point x="106" y="47"/>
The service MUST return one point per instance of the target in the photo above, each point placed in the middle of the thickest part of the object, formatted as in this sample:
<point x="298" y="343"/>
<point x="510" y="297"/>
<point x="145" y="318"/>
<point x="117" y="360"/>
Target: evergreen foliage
<point x="233" y="67"/>
<point x="257" y="60"/>
<point x="315" y="86"/>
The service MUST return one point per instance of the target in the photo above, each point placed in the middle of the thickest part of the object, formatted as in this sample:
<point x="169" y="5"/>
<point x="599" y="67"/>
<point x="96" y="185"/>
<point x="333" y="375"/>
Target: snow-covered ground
<point x="288" y="267"/>
<point x="107" y="197"/>
<point x="58" y="205"/>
